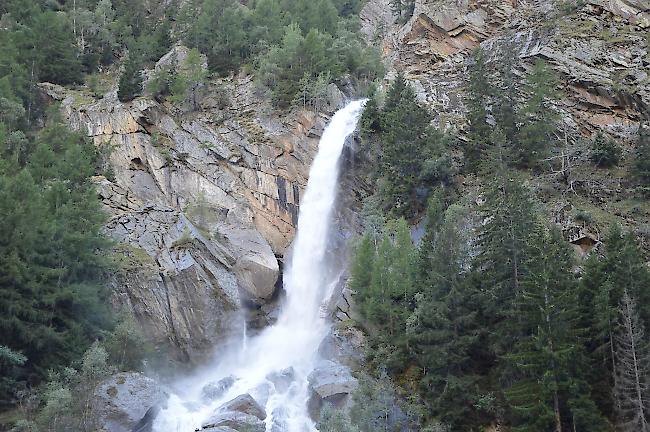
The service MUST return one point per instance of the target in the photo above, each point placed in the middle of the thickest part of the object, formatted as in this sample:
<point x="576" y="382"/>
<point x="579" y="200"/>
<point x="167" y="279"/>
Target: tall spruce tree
<point x="642" y="157"/>
<point x="478" y="137"/>
<point x="387" y="301"/>
<point x="505" y="94"/>
<point x="622" y="267"/>
<point x="411" y="157"/>
<point x="537" y="116"/>
<point x="504" y="242"/>
<point x="445" y="330"/>
<point x="547" y="358"/>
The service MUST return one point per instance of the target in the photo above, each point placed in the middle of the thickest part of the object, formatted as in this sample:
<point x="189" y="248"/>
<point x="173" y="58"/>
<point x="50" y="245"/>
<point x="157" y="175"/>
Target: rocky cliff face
<point x="601" y="53"/>
<point x="202" y="204"/>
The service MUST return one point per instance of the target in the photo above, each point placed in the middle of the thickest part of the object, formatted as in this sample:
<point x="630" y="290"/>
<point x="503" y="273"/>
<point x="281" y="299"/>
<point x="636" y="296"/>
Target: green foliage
<point x="189" y="79"/>
<point x="127" y="347"/>
<point x="55" y="52"/>
<point x="412" y="155"/>
<point x="376" y="405"/>
<point x="160" y="84"/>
<point x="547" y="359"/>
<point x="504" y="241"/>
<point x="130" y="85"/>
<point x="525" y="131"/>
<point x="333" y="420"/>
<point x="642" y="157"/>
<point x="478" y="136"/>
<point x="537" y="115"/>
<point x="387" y="298"/>
<point x="9" y="362"/>
<point x="605" y="152"/>
<point x="67" y="395"/>
<point x="217" y="28"/>
<point x="444" y="325"/>
<point x="53" y="299"/>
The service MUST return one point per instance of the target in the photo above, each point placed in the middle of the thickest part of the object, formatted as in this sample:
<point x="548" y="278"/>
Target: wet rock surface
<point x="126" y="402"/>
<point x="330" y="379"/>
<point x="202" y="203"/>
<point x="245" y="404"/>
<point x="215" y="390"/>
<point x="234" y="420"/>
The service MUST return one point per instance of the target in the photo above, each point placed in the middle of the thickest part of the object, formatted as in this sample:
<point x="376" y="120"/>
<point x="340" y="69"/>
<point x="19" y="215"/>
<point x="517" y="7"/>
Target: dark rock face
<point x="127" y="402"/>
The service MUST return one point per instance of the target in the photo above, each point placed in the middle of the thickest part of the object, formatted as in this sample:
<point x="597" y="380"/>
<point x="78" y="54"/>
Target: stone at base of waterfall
<point x="330" y="379"/>
<point x="244" y="404"/>
<point x="214" y="390"/>
<point x="282" y="380"/>
<point x="238" y="421"/>
<point x="219" y="429"/>
<point x="127" y="402"/>
<point x="330" y="383"/>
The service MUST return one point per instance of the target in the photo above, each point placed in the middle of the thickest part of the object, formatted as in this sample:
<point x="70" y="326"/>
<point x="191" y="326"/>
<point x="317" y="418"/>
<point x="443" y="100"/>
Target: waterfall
<point x="292" y="343"/>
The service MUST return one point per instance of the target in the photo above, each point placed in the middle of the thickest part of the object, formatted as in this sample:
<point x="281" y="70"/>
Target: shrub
<point x="605" y="152"/>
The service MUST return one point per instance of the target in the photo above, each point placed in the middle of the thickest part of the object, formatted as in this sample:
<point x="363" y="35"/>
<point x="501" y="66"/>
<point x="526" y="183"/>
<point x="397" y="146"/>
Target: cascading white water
<point x="293" y="341"/>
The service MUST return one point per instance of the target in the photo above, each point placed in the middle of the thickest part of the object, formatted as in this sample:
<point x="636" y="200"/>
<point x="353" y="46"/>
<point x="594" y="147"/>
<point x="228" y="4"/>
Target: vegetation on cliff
<point x="491" y="317"/>
<point x="56" y="262"/>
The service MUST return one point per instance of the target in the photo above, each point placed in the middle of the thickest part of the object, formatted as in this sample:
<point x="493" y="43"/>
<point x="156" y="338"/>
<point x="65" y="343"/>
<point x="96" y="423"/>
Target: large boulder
<point x="238" y="421"/>
<point x="214" y="390"/>
<point x="331" y="379"/>
<point x="242" y="414"/>
<point x="332" y="383"/>
<point x="244" y="404"/>
<point x="122" y="402"/>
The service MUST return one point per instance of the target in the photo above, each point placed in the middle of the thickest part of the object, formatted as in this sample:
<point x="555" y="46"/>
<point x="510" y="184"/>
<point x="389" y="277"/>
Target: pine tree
<point x="130" y="85"/>
<point x="53" y="255"/>
<point x="505" y="94"/>
<point x="547" y="358"/>
<point x="621" y="268"/>
<point x="411" y="157"/>
<point x="632" y="374"/>
<point x="537" y="115"/>
<point x="478" y="137"/>
<point x="361" y="267"/>
<point x="605" y="152"/>
<point x="57" y="57"/>
<point x="642" y="157"/>
<point x="504" y="242"/>
<point x="387" y="301"/>
<point x="189" y="80"/>
<point x="444" y="325"/>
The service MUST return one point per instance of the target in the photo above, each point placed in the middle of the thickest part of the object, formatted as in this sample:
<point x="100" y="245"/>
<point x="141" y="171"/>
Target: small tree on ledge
<point x="130" y="85"/>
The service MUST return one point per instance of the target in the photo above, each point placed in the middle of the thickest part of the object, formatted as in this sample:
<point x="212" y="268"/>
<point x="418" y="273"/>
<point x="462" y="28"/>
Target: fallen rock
<point x="214" y="390"/>
<point x="244" y="404"/>
<point x="238" y="421"/>
<point x="332" y="379"/>
<point x="122" y="401"/>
